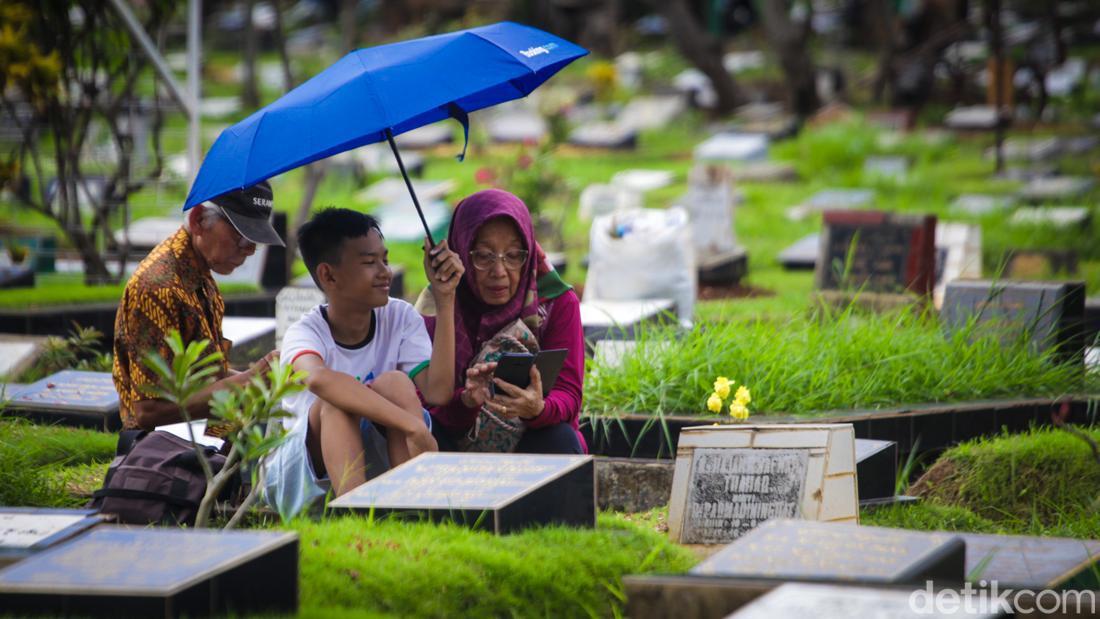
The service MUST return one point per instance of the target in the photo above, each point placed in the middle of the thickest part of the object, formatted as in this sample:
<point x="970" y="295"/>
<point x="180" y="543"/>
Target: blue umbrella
<point x="376" y="93"/>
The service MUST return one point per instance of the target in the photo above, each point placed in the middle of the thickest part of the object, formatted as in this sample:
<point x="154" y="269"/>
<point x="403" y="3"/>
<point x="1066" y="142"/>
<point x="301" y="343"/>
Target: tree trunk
<point x="702" y="51"/>
<point x="280" y="46"/>
<point x="250" y="92"/>
<point x="315" y="173"/>
<point x="790" y="42"/>
<point x="348" y="31"/>
<point x="882" y="19"/>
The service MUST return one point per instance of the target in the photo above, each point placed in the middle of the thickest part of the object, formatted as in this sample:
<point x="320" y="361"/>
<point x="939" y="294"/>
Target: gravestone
<point x="972" y="118"/>
<point x="696" y="86"/>
<point x="828" y="199"/>
<point x="435" y="134"/>
<point x="731" y="478"/>
<point x="893" y="168"/>
<point x="889" y="252"/>
<point x="876" y="470"/>
<point x="1056" y="188"/>
<point x="802" y="255"/>
<point x="394" y="190"/>
<point x="1040" y="263"/>
<point x="839" y="552"/>
<point x="148" y="232"/>
<point x="1026" y="173"/>
<point x="1016" y="561"/>
<point x="1022" y="149"/>
<point x="732" y="147"/>
<point x="290" y="304"/>
<point x="18" y="354"/>
<point x="1057" y="216"/>
<point x="652" y="112"/>
<point x="605" y="320"/>
<point x="379" y="159"/>
<point x="608" y="135"/>
<point x="115" y="571"/>
<point x="791" y="600"/>
<point x="709" y="201"/>
<point x="600" y="199"/>
<point x="738" y="62"/>
<point x="763" y="172"/>
<point x="16" y="276"/>
<point x="217" y="107"/>
<point x="517" y="126"/>
<point x="25" y="531"/>
<point x="400" y="221"/>
<point x="1051" y="313"/>
<point x="501" y="493"/>
<point x="252" y="338"/>
<point x="71" y="397"/>
<point x="958" y="255"/>
<point x="981" y="204"/>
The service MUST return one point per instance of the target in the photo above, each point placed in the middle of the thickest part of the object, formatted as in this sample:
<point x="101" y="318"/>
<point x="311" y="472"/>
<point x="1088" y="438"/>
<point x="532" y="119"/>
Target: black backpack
<point x="156" y="478"/>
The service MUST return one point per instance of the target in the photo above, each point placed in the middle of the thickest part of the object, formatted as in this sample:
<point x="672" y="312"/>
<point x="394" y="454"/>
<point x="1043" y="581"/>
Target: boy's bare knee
<point x="398" y="388"/>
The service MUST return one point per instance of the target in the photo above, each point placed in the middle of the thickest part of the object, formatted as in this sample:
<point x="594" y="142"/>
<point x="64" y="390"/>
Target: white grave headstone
<point x="728" y="479"/>
<point x="290" y="304"/>
<point x="400" y="221"/>
<point x="978" y="117"/>
<point x="427" y="136"/>
<point x="604" y="135"/>
<point x="733" y="147"/>
<point x="981" y="204"/>
<point x="642" y="181"/>
<point x="1057" y="216"/>
<point x="832" y="199"/>
<point x="710" y="201"/>
<point x="600" y="199"/>
<point x="893" y="168"/>
<point x="1056" y="188"/>
<point x="17" y="355"/>
<point x="394" y="190"/>
<point x="216" y="107"/>
<point x="652" y="112"/>
<point x="958" y="255"/>
<point x="517" y="126"/>
<point x="791" y="600"/>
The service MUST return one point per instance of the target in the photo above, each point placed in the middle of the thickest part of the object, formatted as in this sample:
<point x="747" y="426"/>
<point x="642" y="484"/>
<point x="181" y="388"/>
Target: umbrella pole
<point x="408" y="183"/>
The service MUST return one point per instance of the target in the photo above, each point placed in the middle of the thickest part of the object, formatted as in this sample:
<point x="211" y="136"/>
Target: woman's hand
<point x="444" y="269"/>
<point x="511" y="401"/>
<point x="476" y="389"/>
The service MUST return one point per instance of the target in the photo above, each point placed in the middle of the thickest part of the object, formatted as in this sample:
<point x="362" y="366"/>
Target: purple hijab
<point x="476" y="321"/>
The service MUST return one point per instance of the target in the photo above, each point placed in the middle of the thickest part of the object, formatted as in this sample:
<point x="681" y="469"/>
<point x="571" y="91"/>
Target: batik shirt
<point x="171" y="289"/>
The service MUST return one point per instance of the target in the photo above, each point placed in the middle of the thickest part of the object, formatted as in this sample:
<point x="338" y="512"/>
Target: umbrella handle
<point x="408" y="183"/>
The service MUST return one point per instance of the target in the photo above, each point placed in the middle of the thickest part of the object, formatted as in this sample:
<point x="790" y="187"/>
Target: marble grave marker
<point x="82" y="398"/>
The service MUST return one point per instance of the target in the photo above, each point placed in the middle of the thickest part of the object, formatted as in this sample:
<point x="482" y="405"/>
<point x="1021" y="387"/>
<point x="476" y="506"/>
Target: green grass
<point x="356" y="567"/>
<point x="39" y="463"/>
<point x="70" y="289"/>
<point x="826" y="361"/>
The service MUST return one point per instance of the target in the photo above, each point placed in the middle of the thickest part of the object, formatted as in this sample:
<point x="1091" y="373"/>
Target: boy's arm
<point x="444" y="270"/>
<point x="348" y="394"/>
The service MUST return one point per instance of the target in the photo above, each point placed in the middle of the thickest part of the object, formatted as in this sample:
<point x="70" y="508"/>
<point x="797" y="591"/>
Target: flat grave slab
<point x="1057" y="216"/>
<point x="71" y="397"/>
<point x="610" y="135"/>
<point x="876" y="469"/>
<point x="802" y="255"/>
<point x="1040" y="263"/>
<point x="1026" y="173"/>
<point x="1022" y="562"/>
<point x="1053" y="312"/>
<point x="1034" y="149"/>
<point x="394" y="190"/>
<point x="651" y="112"/>
<point x="763" y="172"/>
<point x="738" y="62"/>
<point x="18" y="353"/>
<point x="892" y="253"/>
<point x="495" y="492"/>
<point x="838" y="552"/>
<point x="116" y="571"/>
<point x="517" y="126"/>
<point x="828" y="199"/>
<point x="600" y="199"/>
<point x="792" y="600"/>
<point x="1055" y="188"/>
<point x="618" y="319"/>
<point x="733" y="147"/>
<point x="972" y="118"/>
<point x="148" y="232"/>
<point x="894" y="168"/>
<point x="729" y="479"/>
<point x="25" y="531"/>
<point x="400" y="221"/>
<point x="252" y="338"/>
<point x="435" y="134"/>
<point x="379" y="159"/>
<point x="981" y="204"/>
<point x="216" y="107"/>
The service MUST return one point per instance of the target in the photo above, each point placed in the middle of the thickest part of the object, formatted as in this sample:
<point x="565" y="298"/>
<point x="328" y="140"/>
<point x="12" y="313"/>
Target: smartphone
<point x="515" y="368"/>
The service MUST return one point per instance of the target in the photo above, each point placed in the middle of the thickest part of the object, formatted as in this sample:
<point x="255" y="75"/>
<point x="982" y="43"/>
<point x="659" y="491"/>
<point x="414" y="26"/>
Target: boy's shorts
<point x="291" y="484"/>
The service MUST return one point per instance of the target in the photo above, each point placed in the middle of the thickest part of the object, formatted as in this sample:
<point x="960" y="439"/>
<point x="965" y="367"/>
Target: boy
<point x="365" y="356"/>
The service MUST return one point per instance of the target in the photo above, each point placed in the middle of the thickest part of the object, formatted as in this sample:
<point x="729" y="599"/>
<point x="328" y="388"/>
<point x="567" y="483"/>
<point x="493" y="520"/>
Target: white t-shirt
<point x="398" y="340"/>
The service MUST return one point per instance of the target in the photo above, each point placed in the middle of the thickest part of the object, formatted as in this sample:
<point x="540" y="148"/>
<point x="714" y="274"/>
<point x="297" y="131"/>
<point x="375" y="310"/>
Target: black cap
<point x="249" y="210"/>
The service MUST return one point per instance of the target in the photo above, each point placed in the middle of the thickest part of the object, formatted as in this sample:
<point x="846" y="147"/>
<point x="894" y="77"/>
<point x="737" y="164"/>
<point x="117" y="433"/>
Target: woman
<point x="510" y="300"/>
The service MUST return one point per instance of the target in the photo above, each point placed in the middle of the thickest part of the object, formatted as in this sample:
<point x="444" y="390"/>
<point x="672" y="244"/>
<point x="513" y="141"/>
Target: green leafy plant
<point x="79" y="351"/>
<point x="250" y="413"/>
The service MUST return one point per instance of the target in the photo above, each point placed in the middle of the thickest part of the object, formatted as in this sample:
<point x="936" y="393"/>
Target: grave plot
<point x="710" y="201"/>
<point x="1056" y="216"/>
<point x="832" y="199"/>
<point x="891" y="168"/>
<point x="17" y="355"/>
<point x="26" y="531"/>
<point x="71" y="397"/>
<point x="1040" y="263"/>
<point x="1056" y="188"/>
<point x="252" y="338"/>
<point x="113" y="571"/>
<point x="730" y="479"/>
<point x="733" y="147"/>
<point x="835" y="602"/>
<point x="495" y="492"/>
<point x="606" y="135"/>
<point x="958" y="256"/>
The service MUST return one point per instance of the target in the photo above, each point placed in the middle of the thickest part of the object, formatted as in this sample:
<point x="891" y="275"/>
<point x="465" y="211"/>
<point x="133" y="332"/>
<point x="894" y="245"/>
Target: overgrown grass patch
<point x="69" y="289"/>
<point x="358" y="567"/>
<point x="822" y="361"/>
<point x="39" y="464"/>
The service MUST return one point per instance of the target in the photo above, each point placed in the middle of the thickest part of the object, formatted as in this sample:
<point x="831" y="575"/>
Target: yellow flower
<point x="714" y="403"/>
<point x="743" y="396"/>
<point x="722" y="387"/>
<point x="739" y="411"/>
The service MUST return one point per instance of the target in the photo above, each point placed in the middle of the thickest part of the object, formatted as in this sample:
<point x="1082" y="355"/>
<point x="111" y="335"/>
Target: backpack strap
<point x="130" y="493"/>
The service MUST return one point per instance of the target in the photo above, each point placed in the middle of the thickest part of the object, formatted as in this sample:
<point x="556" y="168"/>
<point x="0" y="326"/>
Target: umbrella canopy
<point x="375" y="93"/>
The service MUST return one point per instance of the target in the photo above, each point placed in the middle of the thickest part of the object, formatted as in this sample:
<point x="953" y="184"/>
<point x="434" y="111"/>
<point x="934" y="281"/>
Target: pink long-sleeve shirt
<point x="562" y="329"/>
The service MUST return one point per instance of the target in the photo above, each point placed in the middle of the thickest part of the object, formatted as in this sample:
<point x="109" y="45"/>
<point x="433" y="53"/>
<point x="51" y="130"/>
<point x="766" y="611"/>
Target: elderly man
<point x="173" y="289"/>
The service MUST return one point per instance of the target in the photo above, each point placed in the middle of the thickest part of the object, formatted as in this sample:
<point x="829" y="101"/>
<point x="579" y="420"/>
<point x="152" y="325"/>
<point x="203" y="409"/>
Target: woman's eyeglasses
<point x="513" y="259"/>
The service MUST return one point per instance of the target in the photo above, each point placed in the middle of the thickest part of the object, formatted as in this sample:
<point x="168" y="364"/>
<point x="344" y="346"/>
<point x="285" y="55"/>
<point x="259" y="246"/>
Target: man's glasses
<point x="513" y="259"/>
<point x="242" y="242"/>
